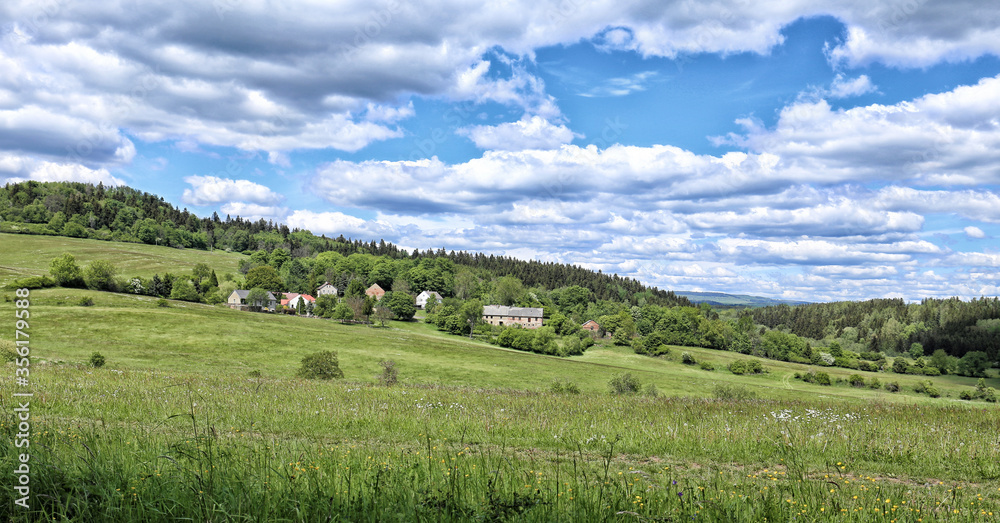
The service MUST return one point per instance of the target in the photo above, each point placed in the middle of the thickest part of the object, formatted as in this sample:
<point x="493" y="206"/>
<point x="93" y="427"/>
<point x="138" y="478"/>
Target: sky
<point x="778" y="149"/>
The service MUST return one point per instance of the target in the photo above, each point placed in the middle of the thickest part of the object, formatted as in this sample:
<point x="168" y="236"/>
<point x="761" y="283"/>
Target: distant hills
<point x="721" y="299"/>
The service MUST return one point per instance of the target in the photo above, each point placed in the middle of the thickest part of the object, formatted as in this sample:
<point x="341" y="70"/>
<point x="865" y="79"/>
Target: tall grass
<point x="150" y="446"/>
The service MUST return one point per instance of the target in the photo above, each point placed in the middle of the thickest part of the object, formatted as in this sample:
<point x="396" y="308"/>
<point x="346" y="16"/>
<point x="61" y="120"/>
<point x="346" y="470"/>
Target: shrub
<point x="320" y="366"/>
<point x="85" y="301"/>
<point x="706" y="366"/>
<point x="922" y="386"/>
<point x="96" y="360"/>
<point x="33" y="282"/>
<point x="100" y="276"/>
<point x="867" y="366"/>
<point x="390" y="375"/>
<point x="8" y="350"/>
<point x="965" y="395"/>
<point x="651" y="391"/>
<point x="875" y="384"/>
<point x="892" y="386"/>
<point x="899" y="366"/>
<point x="688" y="359"/>
<point x="990" y="395"/>
<point x="254" y="373"/>
<point x="561" y="387"/>
<point x="933" y="392"/>
<point x="856" y="380"/>
<point x="733" y="392"/>
<point x="746" y="367"/>
<point x="823" y="378"/>
<point x="931" y="371"/>
<point x="66" y="272"/>
<point x="624" y="384"/>
<point x="162" y="302"/>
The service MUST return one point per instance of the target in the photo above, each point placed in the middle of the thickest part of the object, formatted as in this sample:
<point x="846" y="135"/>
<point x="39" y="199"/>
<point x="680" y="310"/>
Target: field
<point x="23" y="255"/>
<point x="178" y="425"/>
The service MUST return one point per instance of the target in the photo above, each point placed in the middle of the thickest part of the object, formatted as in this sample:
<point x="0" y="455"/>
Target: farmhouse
<point x="238" y="300"/>
<point x="527" y="317"/>
<point x="423" y="297"/>
<point x="326" y="289"/>
<point x="292" y="300"/>
<point x="592" y="326"/>
<point x="375" y="291"/>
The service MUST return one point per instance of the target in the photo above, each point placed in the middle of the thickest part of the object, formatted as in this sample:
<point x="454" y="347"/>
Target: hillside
<point x="123" y="214"/>
<point x="722" y="299"/>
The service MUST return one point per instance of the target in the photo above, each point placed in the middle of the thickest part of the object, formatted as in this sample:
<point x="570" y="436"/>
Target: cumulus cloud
<point x="843" y="87"/>
<point x="207" y="190"/>
<point x="528" y="133"/>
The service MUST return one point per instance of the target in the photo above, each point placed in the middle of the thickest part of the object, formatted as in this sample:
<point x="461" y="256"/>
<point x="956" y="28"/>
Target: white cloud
<point x="207" y="190"/>
<point x="335" y="223"/>
<point x="254" y="211"/>
<point x="528" y="133"/>
<point x="843" y="87"/>
<point x="974" y="232"/>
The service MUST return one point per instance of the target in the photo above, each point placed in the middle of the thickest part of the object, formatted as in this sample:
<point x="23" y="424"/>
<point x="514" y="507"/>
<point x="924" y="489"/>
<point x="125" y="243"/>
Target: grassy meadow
<point x="23" y="255"/>
<point x="178" y="425"/>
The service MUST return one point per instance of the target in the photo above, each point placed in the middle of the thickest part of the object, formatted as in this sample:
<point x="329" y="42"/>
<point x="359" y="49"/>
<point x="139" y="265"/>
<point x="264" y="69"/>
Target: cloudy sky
<point x="769" y="148"/>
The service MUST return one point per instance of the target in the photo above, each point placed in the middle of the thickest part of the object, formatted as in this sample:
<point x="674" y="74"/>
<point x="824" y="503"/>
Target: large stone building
<point x="527" y="317"/>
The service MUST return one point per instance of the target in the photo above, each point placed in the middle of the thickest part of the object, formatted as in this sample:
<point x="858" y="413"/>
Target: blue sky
<point x="844" y="152"/>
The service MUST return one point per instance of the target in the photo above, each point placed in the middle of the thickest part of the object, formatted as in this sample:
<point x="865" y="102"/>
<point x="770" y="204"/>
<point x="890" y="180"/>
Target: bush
<point x="390" y="375"/>
<point x="96" y="360"/>
<point x="822" y="378"/>
<point x="899" y="366"/>
<point x="85" y="301"/>
<point x="856" y="380"/>
<point x="875" y="384"/>
<point x="931" y="371"/>
<point x="100" y="276"/>
<point x="892" y="386"/>
<point x="965" y="395"/>
<point x="320" y="366"/>
<point x="922" y="386"/>
<point x="8" y="350"/>
<point x="624" y="384"/>
<point x="162" y="302"/>
<point x="933" y="392"/>
<point x="746" y="367"/>
<point x="688" y="359"/>
<point x="990" y="395"/>
<point x="706" y="366"/>
<point x="33" y="282"/>
<point x="254" y="373"/>
<point x="733" y="392"/>
<point x="567" y="387"/>
<point x="867" y="366"/>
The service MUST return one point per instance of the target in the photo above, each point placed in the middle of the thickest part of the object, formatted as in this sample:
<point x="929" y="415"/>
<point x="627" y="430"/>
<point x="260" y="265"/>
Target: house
<point x="592" y="326"/>
<point x="427" y="295"/>
<point x="292" y="299"/>
<point x="375" y="291"/>
<point x="527" y="317"/>
<point x="238" y="300"/>
<point x="326" y="289"/>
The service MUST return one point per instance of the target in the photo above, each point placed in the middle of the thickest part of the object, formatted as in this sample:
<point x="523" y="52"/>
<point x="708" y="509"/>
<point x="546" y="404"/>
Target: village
<point x="499" y="315"/>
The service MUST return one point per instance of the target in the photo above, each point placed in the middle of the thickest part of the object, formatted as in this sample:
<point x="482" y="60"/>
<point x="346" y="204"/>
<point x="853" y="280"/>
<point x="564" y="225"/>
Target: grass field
<point x="174" y="427"/>
<point x="23" y="255"/>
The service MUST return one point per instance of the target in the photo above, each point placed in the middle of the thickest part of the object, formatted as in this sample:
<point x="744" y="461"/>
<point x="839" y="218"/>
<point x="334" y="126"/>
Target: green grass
<point x="133" y="332"/>
<point x="156" y="446"/>
<point x="25" y="255"/>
